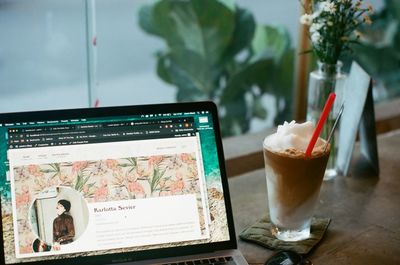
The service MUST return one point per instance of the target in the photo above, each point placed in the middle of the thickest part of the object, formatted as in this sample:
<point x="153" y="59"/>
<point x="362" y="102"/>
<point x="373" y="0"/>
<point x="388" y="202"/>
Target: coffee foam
<point x="293" y="138"/>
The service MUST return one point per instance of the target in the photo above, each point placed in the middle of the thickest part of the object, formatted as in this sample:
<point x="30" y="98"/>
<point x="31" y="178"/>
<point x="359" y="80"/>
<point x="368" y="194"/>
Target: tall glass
<point x="293" y="184"/>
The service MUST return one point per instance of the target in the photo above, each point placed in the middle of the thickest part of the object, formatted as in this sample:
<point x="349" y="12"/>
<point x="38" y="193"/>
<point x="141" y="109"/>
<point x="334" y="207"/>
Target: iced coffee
<point x="293" y="180"/>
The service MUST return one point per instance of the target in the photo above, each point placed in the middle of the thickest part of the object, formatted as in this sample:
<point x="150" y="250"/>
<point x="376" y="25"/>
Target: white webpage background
<point x="113" y="150"/>
<point x="140" y="222"/>
<point x="98" y="151"/>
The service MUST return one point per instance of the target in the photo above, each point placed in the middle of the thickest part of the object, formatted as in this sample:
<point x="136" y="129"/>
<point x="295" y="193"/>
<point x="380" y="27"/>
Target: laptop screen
<point x="94" y="182"/>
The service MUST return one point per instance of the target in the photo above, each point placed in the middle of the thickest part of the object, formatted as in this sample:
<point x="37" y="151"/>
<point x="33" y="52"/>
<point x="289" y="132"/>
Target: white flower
<point x="328" y="6"/>
<point x="306" y="19"/>
<point x="316" y="14"/>
<point x="316" y="37"/>
<point x="315" y="27"/>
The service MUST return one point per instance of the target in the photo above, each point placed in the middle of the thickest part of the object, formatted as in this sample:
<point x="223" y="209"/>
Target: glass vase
<point x="324" y="80"/>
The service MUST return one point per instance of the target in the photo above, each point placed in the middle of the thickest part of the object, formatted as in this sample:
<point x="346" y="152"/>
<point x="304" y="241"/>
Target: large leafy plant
<point x="215" y="51"/>
<point x="379" y="52"/>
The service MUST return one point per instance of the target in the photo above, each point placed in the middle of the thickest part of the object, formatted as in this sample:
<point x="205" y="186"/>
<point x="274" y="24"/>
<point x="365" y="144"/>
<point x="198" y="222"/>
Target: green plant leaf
<point x="258" y="109"/>
<point x="243" y="34"/>
<point x="270" y="41"/>
<point x="393" y="6"/>
<point x="197" y="32"/>
<point x="202" y="26"/>
<point x="190" y="73"/>
<point x="379" y="52"/>
<point x="377" y="62"/>
<point x="282" y="84"/>
<point x="255" y="73"/>
<point x="229" y="3"/>
<point x="282" y="79"/>
<point x="163" y="70"/>
<point x="381" y="33"/>
<point x="146" y="20"/>
<point x="237" y="118"/>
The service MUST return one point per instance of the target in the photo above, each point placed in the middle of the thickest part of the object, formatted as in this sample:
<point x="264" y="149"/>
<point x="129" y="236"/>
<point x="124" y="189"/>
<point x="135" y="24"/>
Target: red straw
<point x="321" y="122"/>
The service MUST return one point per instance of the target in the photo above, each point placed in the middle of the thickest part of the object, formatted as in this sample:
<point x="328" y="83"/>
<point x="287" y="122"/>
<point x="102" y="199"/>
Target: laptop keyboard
<point x="213" y="261"/>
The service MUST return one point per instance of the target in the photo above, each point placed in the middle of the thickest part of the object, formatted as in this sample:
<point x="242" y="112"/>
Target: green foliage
<point x="81" y="180"/>
<point x="155" y="179"/>
<point x="379" y="52"/>
<point x="215" y="51"/>
<point x="55" y="168"/>
<point x="132" y="163"/>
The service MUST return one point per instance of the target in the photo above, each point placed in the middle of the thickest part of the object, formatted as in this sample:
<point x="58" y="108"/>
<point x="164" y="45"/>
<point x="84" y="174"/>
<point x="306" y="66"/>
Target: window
<point x="77" y="54"/>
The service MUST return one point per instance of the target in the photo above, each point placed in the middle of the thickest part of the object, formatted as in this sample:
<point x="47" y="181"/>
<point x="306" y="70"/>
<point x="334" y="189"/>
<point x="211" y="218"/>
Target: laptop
<point x="115" y="185"/>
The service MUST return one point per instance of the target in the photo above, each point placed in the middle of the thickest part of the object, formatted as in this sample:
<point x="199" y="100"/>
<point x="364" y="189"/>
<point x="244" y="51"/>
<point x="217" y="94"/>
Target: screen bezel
<point x="137" y="110"/>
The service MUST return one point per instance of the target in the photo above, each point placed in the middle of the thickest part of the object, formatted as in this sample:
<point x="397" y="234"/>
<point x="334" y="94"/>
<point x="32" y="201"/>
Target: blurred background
<point x="74" y="54"/>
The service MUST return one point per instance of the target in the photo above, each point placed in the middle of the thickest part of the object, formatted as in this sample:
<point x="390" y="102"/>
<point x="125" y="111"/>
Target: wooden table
<point x="365" y="211"/>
